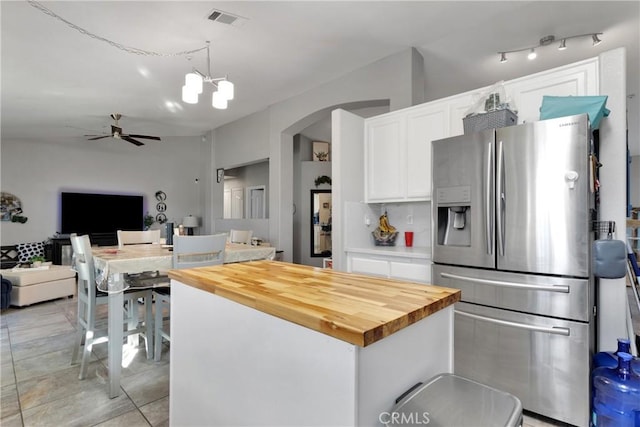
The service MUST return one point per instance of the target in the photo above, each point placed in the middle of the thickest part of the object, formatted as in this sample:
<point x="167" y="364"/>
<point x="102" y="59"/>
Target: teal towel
<point x="561" y="106"/>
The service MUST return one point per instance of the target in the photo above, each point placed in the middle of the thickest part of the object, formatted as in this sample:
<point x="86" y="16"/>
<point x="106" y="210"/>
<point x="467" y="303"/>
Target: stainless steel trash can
<point x="449" y="400"/>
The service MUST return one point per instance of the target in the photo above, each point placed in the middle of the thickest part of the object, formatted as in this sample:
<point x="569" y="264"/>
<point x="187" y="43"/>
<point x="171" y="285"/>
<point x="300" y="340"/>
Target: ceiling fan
<point x="116" y="132"/>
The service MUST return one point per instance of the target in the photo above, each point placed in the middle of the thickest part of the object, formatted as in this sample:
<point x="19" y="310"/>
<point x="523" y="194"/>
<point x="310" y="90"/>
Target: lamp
<point x="190" y="222"/>
<point x="193" y="86"/>
<point x="547" y="40"/>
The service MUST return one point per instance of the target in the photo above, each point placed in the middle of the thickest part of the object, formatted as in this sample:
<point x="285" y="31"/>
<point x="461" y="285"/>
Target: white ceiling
<point x="59" y="84"/>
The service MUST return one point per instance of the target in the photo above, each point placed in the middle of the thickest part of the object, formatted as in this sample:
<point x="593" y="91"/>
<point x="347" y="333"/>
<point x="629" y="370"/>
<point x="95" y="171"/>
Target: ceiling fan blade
<point x="144" y="137"/>
<point x="131" y="140"/>
<point x="94" y="137"/>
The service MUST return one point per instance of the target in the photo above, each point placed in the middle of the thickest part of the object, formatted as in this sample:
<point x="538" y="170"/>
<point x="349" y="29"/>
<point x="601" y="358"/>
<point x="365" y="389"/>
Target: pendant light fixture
<point x="547" y="40"/>
<point x="194" y="82"/>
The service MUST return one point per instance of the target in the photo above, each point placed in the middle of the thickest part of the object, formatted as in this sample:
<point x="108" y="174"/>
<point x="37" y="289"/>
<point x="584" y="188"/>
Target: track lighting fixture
<point x="547" y="40"/>
<point x="193" y="86"/>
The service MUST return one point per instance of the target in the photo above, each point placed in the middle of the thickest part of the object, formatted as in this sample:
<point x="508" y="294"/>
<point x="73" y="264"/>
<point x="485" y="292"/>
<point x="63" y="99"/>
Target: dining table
<point x="113" y="263"/>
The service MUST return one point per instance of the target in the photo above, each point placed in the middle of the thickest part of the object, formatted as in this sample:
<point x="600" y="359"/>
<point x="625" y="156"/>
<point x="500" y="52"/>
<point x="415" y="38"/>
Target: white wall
<point x="282" y="121"/>
<point x="36" y="172"/>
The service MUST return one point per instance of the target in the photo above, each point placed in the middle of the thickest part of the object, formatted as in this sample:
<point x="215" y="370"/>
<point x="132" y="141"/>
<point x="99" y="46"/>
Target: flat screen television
<point x="100" y="214"/>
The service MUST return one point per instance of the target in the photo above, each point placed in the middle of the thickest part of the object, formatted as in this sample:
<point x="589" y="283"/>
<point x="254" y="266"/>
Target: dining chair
<point x="90" y="329"/>
<point x="145" y="278"/>
<point x="188" y="252"/>
<point x="138" y="237"/>
<point x="240" y="236"/>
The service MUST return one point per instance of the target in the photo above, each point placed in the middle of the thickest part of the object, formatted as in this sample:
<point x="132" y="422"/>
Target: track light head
<point x="596" y="40"/>
<point x="503" y="57"/>
<point x="563" y="44"/>
<point x="532" y="54"/>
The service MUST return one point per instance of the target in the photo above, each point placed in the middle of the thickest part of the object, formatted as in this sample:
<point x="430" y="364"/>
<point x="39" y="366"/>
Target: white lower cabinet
<point x="412" y="271"/>
<point x="390" y="265"/>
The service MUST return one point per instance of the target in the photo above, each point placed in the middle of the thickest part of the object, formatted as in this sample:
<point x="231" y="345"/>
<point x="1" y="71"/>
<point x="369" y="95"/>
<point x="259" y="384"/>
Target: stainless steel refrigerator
<point x="512" y="211"/>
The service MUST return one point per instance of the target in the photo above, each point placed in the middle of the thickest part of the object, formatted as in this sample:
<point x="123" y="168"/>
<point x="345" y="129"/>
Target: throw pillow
<point x="26" y="251"/>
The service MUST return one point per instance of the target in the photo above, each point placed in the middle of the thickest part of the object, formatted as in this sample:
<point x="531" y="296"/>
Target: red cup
<point x="408" y="238"/>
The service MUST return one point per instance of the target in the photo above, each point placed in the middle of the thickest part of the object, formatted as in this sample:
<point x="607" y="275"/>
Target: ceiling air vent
<point x="225" y="18"/>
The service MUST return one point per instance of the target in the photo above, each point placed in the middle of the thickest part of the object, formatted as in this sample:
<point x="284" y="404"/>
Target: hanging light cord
<point x="127" y="49"/>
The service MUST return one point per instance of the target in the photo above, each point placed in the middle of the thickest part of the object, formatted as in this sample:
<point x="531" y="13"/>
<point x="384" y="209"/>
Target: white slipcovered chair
<point x="89" y="327"/>
<point x="138" y="237"/>
<point x="188" y="252"/>
<point x="240" y="236"/>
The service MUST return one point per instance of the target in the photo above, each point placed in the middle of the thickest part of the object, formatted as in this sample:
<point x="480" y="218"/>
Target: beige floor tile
<point x="147" y="386"/>
<point x="59" y="326"/>
<point x="81" y="409"/>
<point x="44" y="364"/>
<point x="9" y="405"/>
<point x="61" y="383"/>
<point x="40" y="346"/>
<point x="157" y="413"/>
<point x="130" y="419"/>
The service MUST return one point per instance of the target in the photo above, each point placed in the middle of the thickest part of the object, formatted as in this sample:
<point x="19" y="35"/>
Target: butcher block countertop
<point x="354" y="308"/>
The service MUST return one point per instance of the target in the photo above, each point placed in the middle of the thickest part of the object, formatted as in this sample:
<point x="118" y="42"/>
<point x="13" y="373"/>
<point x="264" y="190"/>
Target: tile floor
<point x="41" y="388"/>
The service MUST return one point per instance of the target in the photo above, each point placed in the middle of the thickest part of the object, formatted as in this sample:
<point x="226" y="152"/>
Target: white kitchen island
<point x="273" y="343"/>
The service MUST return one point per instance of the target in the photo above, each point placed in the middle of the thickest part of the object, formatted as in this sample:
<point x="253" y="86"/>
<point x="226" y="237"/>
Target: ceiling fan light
<point x="218" y="101"/>
<point x="189" y="96"/>
<point x="194" y="82"/>
<point x="532" y="55"/>
<point x="226" y="89"/>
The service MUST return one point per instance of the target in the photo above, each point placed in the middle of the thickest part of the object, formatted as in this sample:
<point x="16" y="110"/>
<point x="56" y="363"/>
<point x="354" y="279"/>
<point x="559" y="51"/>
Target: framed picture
<point x="320" y="151"/>
<point x="220" y="174"/>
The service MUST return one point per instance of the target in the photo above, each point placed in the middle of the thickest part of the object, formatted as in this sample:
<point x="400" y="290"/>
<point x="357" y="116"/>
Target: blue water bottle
<point x="610" y="358"/>
<point x="616" y="400"/>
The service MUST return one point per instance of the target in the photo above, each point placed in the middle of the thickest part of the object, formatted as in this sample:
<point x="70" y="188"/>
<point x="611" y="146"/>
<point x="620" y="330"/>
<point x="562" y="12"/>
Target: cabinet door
<point x="423" y="126"/>
<point x="574" y="80"/>
<point x="413" y="271"/>
<point x="385" y="153"/>
<point x="376" y="267"/>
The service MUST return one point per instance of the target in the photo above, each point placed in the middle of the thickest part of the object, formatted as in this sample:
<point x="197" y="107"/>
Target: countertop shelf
<point x="355" y="308"/>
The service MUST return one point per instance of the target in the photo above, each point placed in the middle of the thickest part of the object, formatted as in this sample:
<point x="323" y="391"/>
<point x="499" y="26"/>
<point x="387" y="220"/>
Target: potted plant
<point x="37" y="261"/>
<point x="148" y="221"/>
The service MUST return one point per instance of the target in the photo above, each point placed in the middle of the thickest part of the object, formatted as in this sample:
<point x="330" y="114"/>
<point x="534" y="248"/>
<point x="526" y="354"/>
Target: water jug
<point x="616" y="400"/>
<point x="610" y="358"/>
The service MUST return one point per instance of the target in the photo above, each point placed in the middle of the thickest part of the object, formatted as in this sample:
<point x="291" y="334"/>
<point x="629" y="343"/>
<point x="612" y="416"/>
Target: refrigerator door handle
<point x="488" y="190"/>
<point x="500" y="196"/>
<point x="550" y="288"/>
<point x="556" y="330"/>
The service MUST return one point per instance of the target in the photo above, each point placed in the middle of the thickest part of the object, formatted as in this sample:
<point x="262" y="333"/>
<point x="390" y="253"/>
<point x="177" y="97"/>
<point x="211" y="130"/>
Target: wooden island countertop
<point x="355" y="308"/>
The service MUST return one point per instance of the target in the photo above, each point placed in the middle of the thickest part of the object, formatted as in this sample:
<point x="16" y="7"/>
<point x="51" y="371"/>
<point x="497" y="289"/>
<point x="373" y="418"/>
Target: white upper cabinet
<point x="579" y="79"/>
<point x="398" y="148"/>
<point x="398" y="144"/>
<point x="385" y="157"/>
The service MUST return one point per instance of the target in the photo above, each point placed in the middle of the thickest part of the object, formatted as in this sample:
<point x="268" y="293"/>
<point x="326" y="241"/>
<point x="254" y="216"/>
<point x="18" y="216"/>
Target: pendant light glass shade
<point x="219" y="101"/>
<point x="194" y="82"/>
<point x="532" y="54"/>
<point x="189" y="96"/>
<point x="225" y="87"/>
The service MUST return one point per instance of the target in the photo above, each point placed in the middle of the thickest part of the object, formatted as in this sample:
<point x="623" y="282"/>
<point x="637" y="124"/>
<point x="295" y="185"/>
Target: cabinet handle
<point x="556" y="330"/>
<point x="550" y="288"/>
